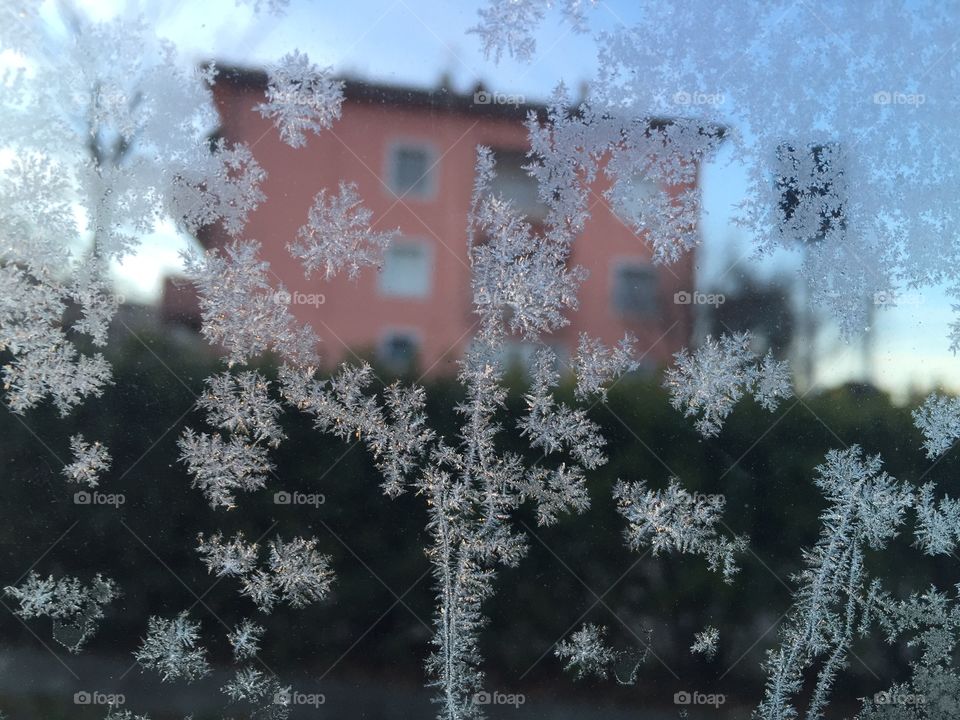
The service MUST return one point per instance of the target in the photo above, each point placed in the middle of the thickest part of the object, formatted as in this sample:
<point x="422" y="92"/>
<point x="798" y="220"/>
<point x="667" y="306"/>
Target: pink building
<point x="412" y="154"/>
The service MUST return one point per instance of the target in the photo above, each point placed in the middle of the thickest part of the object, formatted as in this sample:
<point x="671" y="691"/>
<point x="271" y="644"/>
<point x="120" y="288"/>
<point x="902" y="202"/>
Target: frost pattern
<point x="705" y="642"/>
<point x="507" y="26"/>
<point x="938" y="524"/>
<point x="239" y="404"/>
<point x="242" y="312"/>
<point x="300" y="97"/>
<point x="115" y="713"/>
<point x="854" y="187"/>
<point x="939" y="421"/>
<point x="866" y="508"/>
<point x="264" y="692"/>
<point x="597" y="366"/>
<point x="113" y="124"/>
<point x="295" y="572"/>
<point x="75" y="608"/>
<point x="711" y="381"/>
<point x="587" y="654"/>
<point x="676" y="520"/>
<point x="171" y="649"/>
<point x="516" y="272"/>
<point x="88" y="462"/>
<point x="221" y="467"/>
<point x="45" y="363"/>
<point x="522" y="284"/>
<point x="338" y="236"/>
<point x="575" y="146"/>
<point x="245" y="640"/>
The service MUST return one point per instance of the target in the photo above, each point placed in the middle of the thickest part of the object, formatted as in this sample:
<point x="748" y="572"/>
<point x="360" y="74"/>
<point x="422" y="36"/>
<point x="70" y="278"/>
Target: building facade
<point x="412" y="154"/>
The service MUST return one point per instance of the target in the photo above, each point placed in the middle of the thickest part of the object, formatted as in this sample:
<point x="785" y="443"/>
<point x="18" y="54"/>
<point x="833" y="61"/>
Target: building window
<point x="398" y="350"/>
<point x="411" y="170"/>
<point x="515" y="184"/>
<point x="634" y="289"/>
<point x="634" y="199"/>
<point x="811" y="183"/>
<point x="407" y="266"/>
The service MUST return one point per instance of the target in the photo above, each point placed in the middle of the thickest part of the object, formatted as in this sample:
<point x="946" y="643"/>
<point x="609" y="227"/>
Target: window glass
<point x="634" y="289"/>
<point x="406" y="269"/>
<point x="411" y="173"/>
<point x="398" y="351"/>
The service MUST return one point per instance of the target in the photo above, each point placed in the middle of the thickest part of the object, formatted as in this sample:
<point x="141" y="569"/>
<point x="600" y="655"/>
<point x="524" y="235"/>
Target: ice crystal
<point x="221" y="468"/>
<point x="242" y="312"/>
<point x="171" y="648"/>
<point x="74" y="607"/>
<point x="507" y="26"/>
<point x="939" y="421"/>
<point x="587" y="654"/>
<point x="116" y="713"/>
<point x="554" y="426"/>
<point x="677" y="520"/>
<point x="576" y="145"/>
<point x="241" y="404"/>
<point x="705" y="642"/>
<point x="270" y="700"/>
<point x="866" y="509"/>
<point x="711" y="381"/>
<point x="519" y="278"/>
<point x="338" y="235"/>
<point x="294" y="572"/>
<point x="275" y="7"/>
<point x="45" y="363"/>
<point x="300" y="97"/>
<point x="395" y="433"/>
<point x="931" y="622"/>
<point x="597" y="366"/>
<point x="88" y="462"/>
<point x="245" y="639"/>
<point x="938" y="524"/>
<point x="852" y="183"/>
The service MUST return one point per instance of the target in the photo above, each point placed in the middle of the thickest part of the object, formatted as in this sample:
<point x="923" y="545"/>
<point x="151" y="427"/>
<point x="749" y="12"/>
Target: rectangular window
<point x="398" y="350"/>
<point x="411" y="170"/>
<point x="634" y="289"/>
<point x="406" y="269"/>
<point x="516" y="185"/>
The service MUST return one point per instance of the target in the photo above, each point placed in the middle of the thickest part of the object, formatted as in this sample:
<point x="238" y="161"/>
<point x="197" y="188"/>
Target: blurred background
<point x="419" y="97"/>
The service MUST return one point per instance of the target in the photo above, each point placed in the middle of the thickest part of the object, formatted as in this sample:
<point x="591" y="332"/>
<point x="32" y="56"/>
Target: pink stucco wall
<point x="355" y="315"/>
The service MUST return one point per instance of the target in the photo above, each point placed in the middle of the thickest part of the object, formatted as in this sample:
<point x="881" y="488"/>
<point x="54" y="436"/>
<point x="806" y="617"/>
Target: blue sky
<point x="416" y="41"/>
